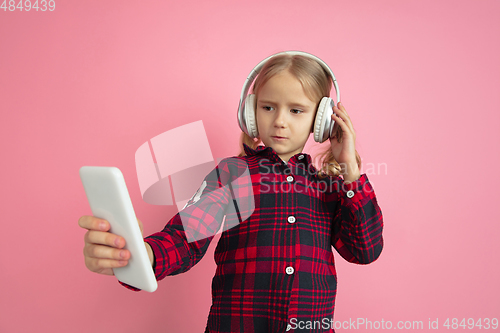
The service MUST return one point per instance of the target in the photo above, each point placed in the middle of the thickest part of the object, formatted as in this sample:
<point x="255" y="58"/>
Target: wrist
<point x="349" y="180"/>
<point x="351" y="174"/>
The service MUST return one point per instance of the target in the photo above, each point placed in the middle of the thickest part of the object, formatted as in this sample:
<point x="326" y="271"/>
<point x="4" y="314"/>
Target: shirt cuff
<point x="357" y="189"/>
<point x="158" y="253"/>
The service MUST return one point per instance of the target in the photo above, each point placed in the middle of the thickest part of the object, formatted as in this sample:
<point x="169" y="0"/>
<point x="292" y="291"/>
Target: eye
<point x="293" y="111"/>
<point x="267" y="108"/>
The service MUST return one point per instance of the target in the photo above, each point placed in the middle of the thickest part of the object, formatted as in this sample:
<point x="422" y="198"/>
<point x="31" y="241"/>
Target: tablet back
<point x="109" y="199"/>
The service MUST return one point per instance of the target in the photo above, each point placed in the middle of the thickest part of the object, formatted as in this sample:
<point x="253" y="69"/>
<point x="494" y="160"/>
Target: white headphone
<point x="323" y="124"/>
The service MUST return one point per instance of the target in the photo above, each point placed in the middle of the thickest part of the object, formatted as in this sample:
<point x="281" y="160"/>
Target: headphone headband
<point x="253" y="74"/>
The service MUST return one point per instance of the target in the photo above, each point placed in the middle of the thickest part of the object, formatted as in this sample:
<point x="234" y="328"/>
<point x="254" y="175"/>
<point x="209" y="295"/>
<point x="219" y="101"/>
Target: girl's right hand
<point x="103" y="250"/>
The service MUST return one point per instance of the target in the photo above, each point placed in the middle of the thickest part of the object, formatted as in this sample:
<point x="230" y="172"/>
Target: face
<point x="284" y="114"/>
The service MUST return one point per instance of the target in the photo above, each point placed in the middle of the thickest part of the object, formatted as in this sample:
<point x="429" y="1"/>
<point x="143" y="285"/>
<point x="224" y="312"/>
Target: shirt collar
<point x="271" y="154"/>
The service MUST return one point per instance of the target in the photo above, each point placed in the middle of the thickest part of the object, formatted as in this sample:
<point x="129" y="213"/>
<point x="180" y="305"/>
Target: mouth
<point x="278" y="137"/>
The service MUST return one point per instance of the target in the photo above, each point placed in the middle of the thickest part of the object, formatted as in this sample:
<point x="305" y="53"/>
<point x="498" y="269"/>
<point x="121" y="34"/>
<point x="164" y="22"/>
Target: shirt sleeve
<point x="186" y="237"/>
<point x="358" y="223"/>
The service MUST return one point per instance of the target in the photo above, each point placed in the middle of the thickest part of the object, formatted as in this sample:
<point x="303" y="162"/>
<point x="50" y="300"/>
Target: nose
<point x="280" y="119"/>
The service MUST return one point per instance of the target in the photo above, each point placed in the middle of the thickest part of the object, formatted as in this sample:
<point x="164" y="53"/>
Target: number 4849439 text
<point x="27" y="5"/>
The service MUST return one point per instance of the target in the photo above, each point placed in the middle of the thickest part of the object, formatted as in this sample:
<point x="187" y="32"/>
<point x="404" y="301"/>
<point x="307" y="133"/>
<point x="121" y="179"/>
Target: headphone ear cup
<point x="249" y="116"/>
<point x="323" y="121"/>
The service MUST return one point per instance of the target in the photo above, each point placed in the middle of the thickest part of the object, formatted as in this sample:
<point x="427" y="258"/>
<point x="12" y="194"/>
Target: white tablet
<point x="109" y="199"/>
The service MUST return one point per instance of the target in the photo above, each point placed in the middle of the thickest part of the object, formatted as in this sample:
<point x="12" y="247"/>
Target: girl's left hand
<point x="345" y="150"/>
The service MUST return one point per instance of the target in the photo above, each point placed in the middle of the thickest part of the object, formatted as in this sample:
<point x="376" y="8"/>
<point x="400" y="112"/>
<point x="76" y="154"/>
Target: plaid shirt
<point x="275" y="269"/>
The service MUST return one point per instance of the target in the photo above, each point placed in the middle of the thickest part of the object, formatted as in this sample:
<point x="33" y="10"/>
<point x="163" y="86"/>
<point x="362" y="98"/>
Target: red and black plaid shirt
<point x="275" y="265"/>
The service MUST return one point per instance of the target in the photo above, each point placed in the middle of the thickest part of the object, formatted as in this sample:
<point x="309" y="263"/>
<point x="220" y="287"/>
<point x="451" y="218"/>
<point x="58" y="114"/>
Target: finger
<point x="346" y="127"/>
<point x="341" y="122"/>
<point x="105" y="252"/>
<point x="341" y="106"/>
<point x="344" y="116"/>
<point x="105" y="271"/>
<point x="104" y="238"/>
<point x="340" y="112"/>
<point x="93" y="223"/>
<point x="103" y="265"/>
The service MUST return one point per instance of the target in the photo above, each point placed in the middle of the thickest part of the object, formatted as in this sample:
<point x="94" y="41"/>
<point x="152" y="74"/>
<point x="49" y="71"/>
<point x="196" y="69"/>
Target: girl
<point x="275" y="266"/>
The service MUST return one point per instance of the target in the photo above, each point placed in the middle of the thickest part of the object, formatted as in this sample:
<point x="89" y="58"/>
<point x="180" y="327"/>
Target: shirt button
<point x="301" y="157"/>
<point x="291" y="219"/>
<point x="289" y="270"/>
<point x="350" y="194"/>
<point x="289" y="179"/>
<point x="289" y="327"/>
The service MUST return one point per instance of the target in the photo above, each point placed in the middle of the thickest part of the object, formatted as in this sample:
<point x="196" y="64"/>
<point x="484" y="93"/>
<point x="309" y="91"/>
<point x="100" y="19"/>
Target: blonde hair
<point x="316" y="83"/>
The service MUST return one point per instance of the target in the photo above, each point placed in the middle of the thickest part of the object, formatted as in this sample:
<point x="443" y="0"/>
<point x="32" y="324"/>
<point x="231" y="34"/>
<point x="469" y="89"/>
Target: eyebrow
<point x="294" y="104"/>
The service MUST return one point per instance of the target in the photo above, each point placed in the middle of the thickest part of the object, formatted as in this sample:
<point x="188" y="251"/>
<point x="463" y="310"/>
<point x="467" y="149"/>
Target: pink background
<point x="90" y="82"/>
